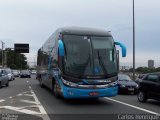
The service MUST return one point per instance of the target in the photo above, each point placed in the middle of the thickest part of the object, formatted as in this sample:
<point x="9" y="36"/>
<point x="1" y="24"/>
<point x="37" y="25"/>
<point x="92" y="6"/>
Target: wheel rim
<point x="141" y="96"/>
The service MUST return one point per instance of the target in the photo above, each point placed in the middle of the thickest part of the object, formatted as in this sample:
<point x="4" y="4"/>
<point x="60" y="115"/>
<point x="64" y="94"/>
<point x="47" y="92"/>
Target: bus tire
<point x="41" y="84"/>
<point x="56" y="94"/>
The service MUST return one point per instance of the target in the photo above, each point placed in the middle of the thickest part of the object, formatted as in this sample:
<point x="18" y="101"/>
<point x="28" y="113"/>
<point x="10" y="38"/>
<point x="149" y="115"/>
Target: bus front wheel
<point x="55" y="90"/>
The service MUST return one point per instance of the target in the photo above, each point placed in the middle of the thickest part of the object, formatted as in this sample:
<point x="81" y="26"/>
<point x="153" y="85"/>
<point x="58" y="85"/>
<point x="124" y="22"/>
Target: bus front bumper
<point x="88" y="93"/>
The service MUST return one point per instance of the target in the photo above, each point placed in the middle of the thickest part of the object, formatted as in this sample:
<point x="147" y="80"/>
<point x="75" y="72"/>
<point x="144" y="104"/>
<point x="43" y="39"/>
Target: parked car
<point x="126" y="84"/>
<point x="33" y="72"/>
<point x="139" y="78"/>
<point x="25" y="74"/>
<point x="149" y="87"/>
<point x="3" y="78"/>
<point x="15" y="73"/>
<point x="10" y="74"/>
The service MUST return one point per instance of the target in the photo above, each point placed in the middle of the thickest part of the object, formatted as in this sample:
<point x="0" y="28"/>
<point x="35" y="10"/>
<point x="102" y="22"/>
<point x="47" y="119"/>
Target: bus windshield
<point x="89" y="55"/>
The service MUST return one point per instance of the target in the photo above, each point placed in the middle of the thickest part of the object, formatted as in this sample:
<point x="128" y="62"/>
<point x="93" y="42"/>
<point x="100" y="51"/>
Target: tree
<point x="15" y="60"/>
<point x="147" y="70"/>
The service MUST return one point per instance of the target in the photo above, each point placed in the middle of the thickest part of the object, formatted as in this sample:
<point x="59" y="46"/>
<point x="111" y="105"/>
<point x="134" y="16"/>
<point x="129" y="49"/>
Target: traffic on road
<point x="77" y="77"/>
<point x="79" y="60"/>
<point x="24" y="98"/>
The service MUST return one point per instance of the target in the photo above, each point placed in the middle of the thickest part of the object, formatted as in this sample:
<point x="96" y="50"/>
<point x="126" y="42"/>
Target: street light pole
<point x="5" y="58"/>
<point x="34" y="60"/>
<point x="133" y="42"/>
<point x="2" y="53"/>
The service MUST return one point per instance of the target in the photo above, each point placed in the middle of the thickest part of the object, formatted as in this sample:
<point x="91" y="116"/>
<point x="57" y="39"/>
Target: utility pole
<point x="133" y="43"/>
<point x="118" y="61"/>
<point x="5" y="58"/>
<point x="34" y="60"/>
<point x="2" y="53"/>
<point x="21" y="61"/>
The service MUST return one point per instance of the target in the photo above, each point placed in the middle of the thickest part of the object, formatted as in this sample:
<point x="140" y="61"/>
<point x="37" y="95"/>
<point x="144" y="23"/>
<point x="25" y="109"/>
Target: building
<point x="125" y="68"/>
<point x="150" y="63"/>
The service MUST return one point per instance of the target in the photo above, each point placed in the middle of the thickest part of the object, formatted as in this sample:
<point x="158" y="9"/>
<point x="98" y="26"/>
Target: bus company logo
<point x="90" y="82"/>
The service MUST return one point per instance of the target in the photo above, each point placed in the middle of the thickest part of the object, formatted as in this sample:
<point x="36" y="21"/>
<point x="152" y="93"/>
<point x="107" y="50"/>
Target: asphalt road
<point x="24" y="99"/>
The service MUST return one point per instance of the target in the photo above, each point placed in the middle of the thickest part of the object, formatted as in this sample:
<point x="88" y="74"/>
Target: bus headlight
<point x="113" y="84"/>
<point x="68" y="83"/>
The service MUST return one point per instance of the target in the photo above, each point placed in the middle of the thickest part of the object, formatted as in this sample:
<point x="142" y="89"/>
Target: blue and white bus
<point x="79" y="62"/>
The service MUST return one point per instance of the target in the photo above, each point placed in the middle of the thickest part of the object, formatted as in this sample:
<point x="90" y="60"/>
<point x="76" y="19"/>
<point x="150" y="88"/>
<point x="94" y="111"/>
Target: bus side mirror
<point x="61" y="48"/>
<point x="123" y="47"/>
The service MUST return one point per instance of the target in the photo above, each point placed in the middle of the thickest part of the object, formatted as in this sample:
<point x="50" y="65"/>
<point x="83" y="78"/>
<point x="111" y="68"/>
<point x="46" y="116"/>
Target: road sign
<point x="21" y="48"/>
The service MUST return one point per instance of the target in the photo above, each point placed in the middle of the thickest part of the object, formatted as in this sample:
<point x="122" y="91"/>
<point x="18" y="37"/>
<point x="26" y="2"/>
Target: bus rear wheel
<point x="41" y="84"/>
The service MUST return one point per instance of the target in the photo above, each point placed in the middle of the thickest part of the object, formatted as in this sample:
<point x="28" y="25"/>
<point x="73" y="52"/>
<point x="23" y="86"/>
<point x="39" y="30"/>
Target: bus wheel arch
<point x="54" y="88"/>
<point x="40" y="81"/>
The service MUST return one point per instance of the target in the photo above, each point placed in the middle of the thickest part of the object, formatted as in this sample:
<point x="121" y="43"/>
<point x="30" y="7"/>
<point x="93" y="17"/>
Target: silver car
<point x="4" y="78"/>
<point x="15" y="73"/>
<point x="10" y="74"/>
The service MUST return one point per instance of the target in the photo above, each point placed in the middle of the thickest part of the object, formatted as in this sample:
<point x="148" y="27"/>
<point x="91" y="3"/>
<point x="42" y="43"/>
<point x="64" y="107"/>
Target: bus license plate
<point x="93" y="93"/>
<point x="131" y="89"/>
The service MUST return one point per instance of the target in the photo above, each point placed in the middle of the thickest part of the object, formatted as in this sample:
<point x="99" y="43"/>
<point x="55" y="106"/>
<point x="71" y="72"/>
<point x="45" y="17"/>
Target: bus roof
<point x="83" y="31"/>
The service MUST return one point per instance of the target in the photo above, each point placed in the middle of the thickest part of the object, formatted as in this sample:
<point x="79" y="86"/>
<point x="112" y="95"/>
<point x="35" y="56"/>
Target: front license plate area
<point x="131" y="89"/>
<point x="94" y="93"/>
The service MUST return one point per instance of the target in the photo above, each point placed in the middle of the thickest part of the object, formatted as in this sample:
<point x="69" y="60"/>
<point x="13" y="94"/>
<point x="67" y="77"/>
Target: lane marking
<point x="30" y="87"/>
<point x="41" y="108"/>
<point x="2" y="100"/>
<point x="26" y="92"/>
<point x="27" y="95"/>
<point x="30" y="106"/>
<point x="142" y="109"/>
<point x="14" y="96"/>
<point x="28" y="101"/>
<point x="42" y="113"/>
<point x="19" y="94"/>
<point x="20" y="110"/>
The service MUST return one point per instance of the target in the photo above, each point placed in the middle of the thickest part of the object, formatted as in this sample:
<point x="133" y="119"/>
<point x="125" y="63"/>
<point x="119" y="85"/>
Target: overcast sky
<point x="33" y="21"/>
